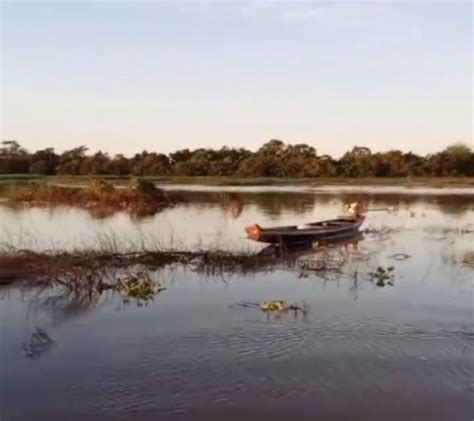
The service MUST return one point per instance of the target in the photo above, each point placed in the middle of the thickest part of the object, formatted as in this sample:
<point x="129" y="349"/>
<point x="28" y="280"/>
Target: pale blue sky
<point x="127" y="76"/>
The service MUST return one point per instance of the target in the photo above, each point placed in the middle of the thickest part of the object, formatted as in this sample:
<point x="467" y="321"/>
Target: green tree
<point x="44" y="162"/>
<point x="70" y="161"/>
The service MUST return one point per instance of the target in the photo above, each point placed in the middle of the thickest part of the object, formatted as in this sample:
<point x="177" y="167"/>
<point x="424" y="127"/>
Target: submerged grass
<point x="82" y="277"/>
<point x="87" y="267"/>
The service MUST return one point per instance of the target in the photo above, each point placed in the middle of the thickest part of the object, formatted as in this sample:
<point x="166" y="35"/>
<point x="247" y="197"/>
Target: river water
<point x="363" y="351"/>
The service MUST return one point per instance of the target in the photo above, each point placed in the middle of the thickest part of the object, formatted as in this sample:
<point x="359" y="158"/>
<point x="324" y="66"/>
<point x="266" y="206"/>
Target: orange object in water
<point x="254" y="231"/>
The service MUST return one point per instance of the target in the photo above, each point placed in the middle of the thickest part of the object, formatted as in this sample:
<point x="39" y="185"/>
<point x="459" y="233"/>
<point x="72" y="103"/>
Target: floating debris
<point x="400" y="256"/>
<point x="39" y="343"/>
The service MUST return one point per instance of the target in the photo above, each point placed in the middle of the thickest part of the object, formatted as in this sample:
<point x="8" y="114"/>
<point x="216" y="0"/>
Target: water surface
<point x="362" y="352"/>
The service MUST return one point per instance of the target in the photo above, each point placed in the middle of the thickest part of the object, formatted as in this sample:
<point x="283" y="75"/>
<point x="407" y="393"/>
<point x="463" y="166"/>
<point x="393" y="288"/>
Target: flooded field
<point x="368" y="348"/>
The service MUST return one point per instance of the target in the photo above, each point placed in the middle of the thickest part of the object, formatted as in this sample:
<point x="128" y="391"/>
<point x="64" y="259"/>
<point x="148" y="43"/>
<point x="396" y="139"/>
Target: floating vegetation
<point x="39" y="343"/>
<point x="100" y="197"/>
<point x="139" y="287"/>
<point x="275" y="306"/>
<point x="383" y="276"/>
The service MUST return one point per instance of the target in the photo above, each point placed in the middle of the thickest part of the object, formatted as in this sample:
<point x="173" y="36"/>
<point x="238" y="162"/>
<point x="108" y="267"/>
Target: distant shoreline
<point x="408" y="182"/>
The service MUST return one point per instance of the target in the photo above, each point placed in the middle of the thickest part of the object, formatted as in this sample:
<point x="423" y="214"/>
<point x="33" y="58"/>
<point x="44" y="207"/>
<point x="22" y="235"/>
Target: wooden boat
<point x="307" y="233"/>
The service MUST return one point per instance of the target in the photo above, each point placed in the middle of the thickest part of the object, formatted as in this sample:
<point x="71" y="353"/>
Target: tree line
<point x="273" y="159"/>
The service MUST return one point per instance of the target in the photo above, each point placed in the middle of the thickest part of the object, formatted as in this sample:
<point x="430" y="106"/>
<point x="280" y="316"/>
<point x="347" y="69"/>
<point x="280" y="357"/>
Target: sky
<point x="124" y="76"/>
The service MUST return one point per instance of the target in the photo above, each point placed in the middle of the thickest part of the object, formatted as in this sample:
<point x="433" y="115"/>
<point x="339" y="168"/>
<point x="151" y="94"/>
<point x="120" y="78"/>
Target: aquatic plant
<point x="48" y="193"/>
<point x="99" y="187"/>
<point x="100" y="196"/>
<point x="86" y="268"/>
<point x="274" y="306"/>
<point x="383" y="276"/>
<point x="139" y="287"/>
<point x="142" y="186"/>
<point x="283" y="306"/>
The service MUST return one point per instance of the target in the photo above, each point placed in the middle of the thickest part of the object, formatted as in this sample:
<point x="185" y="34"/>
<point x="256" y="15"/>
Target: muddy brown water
<point x="363" y="352"/>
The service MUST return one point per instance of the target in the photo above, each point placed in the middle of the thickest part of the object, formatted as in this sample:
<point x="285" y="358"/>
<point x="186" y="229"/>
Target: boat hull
<point x="324" y="230"/>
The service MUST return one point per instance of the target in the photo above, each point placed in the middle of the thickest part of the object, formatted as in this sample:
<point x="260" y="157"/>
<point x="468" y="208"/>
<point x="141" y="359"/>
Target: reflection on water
<point x="213" y="218"/>
<point x="363" y="351"/>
